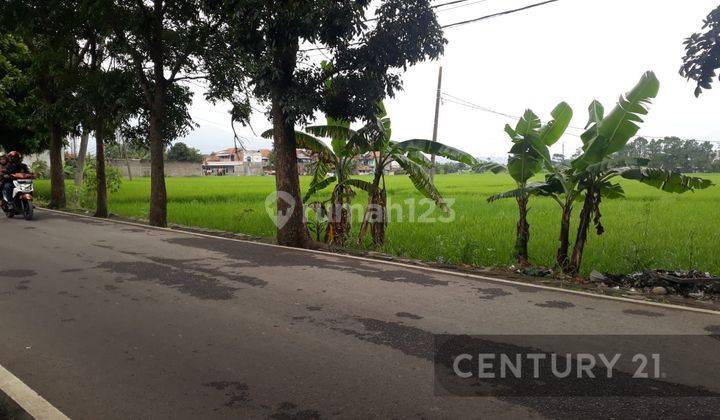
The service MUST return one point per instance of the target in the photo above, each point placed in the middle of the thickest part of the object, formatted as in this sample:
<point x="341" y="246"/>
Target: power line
<point x="459" y="101"/>
<point x="506" y="12"/>
<point x="449" y="3"/>
<point x="452" y="25"/>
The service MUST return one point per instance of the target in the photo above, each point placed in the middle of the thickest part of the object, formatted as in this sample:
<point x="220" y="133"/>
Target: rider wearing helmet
<point x="13" y="166"/>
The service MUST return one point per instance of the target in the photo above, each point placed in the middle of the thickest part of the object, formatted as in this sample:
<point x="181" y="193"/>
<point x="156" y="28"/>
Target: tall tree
<point x="108" y="96"/>
<point x="702" y="53"/>
<point x="363" y="56"/>
<point x="49" y="29"/>
<point x="164" y="42"/>
<point x="18" y="128"/>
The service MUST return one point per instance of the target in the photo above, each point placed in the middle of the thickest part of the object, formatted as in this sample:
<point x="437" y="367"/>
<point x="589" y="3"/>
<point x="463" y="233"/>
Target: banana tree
<point x="592" y="173"/>
<point x="530" y="150"/>
<point x="337" y="158"/>
<point x="375" y="138"/>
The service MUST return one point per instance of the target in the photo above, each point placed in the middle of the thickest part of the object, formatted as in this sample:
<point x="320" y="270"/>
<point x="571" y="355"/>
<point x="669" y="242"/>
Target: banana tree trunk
<point x="562" y="254"/>
<point x="338" y="227"/>
<point x="523" y="232"/>
<point x="582" y="233"/>
<point x="375" y="214"/>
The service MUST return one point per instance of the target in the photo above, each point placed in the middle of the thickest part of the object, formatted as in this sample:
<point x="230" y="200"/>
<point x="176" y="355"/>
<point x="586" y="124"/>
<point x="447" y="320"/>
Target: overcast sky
<point x="572" y="50"/>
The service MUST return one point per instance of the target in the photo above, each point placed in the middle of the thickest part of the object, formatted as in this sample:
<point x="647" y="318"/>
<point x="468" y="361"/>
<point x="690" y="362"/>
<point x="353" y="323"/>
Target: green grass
<point x="649" y="229"/>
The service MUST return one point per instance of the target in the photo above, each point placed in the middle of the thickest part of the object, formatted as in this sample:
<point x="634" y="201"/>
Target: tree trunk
<point x="80" y="160"/>
<point x="101" y="207"/>
<point x="287" y="182"/>
<point x="127" y="160"/>
<point x="583" y="227"/>
<point x="158" y="192"/>
<point x="523" y="233"/>
<point x="57" y="177"/>
<point x="561" y="259"/>
<point x="293" y="232"/>
<point x="376" y="214"/>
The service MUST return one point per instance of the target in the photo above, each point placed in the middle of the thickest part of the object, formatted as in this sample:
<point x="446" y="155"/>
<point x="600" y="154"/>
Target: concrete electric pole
<point x="437" y="118"/>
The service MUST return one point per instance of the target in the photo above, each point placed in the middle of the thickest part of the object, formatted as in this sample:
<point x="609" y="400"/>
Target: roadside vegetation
<point x="647" y="229"/>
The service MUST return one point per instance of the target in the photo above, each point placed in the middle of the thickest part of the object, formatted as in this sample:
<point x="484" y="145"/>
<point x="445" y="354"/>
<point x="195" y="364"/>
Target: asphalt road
<point x="107" y="320"/>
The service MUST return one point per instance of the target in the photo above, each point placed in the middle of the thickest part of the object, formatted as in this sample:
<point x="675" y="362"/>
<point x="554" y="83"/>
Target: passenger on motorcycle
<point x="13" y="166"/>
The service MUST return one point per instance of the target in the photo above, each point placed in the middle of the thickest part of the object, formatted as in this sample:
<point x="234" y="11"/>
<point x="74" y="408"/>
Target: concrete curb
<point x="404" y="265"/>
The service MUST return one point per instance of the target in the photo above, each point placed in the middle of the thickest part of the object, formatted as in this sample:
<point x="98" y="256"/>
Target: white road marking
<point x="405" y="265"/>
<point x="27" y="399"/>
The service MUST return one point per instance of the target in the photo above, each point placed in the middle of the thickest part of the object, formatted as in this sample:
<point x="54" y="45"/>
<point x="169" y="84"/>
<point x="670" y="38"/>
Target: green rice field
<point x="648" y="229"/>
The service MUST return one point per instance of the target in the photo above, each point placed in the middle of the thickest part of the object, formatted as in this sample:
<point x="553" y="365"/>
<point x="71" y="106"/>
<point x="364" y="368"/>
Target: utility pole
<point x="437" y="118"/>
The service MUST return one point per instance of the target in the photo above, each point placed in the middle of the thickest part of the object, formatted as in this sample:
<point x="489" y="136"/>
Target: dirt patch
<point x="555" y="304"/>
<point x="237" y="392"/>
<point x="407" y="315"/>
<point x="17" y="273"/>
<point x="491" y="293"/>
<point x="641" y="312"/>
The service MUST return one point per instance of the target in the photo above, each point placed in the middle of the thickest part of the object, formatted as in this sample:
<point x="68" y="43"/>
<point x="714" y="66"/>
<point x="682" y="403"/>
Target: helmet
<point x="14" y="157"/>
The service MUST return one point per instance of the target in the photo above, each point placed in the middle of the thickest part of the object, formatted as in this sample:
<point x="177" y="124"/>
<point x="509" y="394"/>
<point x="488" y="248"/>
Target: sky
<point x="571" y="50"/>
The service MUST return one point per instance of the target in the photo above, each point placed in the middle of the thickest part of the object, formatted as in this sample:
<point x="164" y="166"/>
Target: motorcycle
<point x="21" y="196"/>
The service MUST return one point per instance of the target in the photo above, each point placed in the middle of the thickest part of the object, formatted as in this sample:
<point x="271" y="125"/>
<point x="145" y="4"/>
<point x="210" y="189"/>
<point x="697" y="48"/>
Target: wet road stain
<point x="556" y="304"/>
<point x="67" y="319"/>
<point x="17" y="273"/>
<point x="314" y="308"/>
<point x="407" y="315"/>
<point x="642" y="312"/>
<point x="133" y="230"/>
<point x="237" y="392"/>
<point x="714" y="331"/>
<point x="186" y="282"/>
<point x="193" y="265"/>
<point x="289" y="411"/>
<point x="409" y="340"/>
<point x="71" y="270"/>
<point x="491" y="293"/>
<point x="111" y="288"/>
<point x="257" y="256"/>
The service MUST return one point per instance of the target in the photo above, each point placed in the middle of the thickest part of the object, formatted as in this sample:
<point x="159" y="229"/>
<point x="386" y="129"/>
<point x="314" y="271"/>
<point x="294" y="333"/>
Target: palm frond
<point x="315" y="187"/>
<point x="664" y="180"/>
<point x="421" y="180"/>
<point x="436" y="148"/>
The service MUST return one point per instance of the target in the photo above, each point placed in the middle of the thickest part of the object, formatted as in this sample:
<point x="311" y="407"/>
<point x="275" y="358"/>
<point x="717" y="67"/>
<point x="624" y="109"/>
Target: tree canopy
<point x="702" y="53"/>
<point x="180" y="152"/>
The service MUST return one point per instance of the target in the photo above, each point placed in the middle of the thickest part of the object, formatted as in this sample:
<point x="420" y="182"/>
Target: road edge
<point x="399" y="264"/>
<point x="29" y="401"/>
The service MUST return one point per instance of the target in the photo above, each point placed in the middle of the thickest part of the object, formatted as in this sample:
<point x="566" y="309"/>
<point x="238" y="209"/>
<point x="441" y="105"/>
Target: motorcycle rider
<point x="14" y="165"/>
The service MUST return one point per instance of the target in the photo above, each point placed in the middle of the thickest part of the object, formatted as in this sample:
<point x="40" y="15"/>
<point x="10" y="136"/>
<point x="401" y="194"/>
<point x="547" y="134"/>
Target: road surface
<point x="110" y="320"/>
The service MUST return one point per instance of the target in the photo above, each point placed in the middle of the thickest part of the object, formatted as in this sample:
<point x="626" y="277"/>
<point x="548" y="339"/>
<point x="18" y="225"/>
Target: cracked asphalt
<point x="109" y="320"/>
